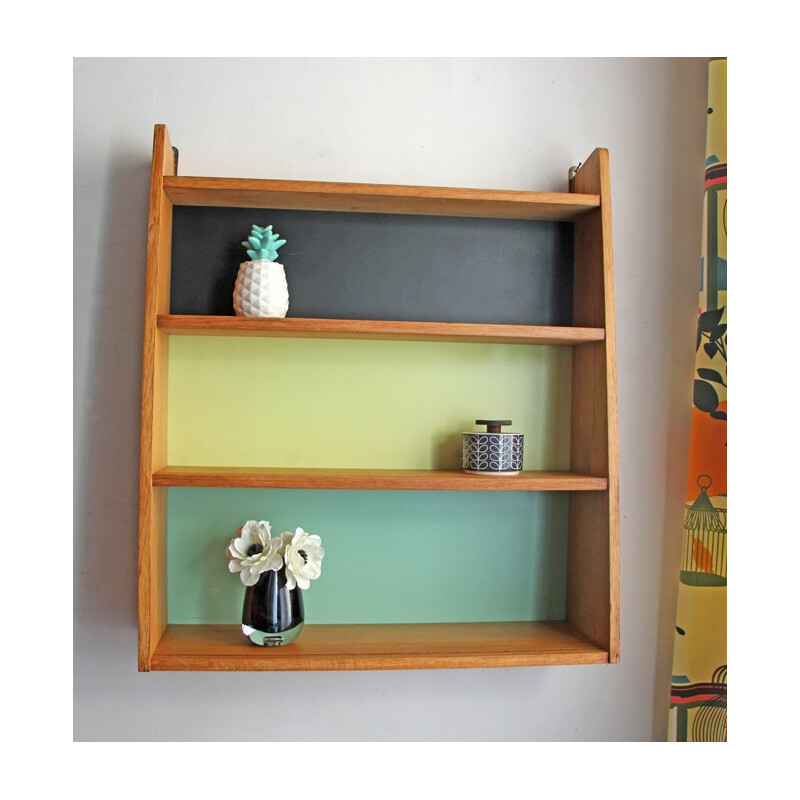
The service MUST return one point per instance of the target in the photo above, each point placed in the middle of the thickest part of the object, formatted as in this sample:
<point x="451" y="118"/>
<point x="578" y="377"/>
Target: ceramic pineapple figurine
<point x="261" y="289"/>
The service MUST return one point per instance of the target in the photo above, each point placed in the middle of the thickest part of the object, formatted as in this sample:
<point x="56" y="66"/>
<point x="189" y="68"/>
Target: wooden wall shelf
<point x="589" y="633"/>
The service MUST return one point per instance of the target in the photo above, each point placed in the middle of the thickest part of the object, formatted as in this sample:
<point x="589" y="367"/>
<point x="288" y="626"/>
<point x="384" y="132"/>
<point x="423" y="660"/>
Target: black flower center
<point x="304" y="555"/>
<point x="254" y="549"/>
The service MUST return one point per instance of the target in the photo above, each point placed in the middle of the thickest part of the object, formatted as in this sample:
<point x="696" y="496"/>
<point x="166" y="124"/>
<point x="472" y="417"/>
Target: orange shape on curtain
<point x="708" y="453"/>
<point x="702" y="558"/>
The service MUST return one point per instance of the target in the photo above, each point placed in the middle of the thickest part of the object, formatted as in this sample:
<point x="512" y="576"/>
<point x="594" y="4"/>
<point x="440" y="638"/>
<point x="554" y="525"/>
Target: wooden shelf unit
<point x="590" y="632"/>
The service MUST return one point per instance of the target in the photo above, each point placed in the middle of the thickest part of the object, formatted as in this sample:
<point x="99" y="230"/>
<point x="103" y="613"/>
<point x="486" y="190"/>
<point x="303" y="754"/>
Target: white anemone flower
<point x="303" y="556"/>
<point x="253" y="552"/>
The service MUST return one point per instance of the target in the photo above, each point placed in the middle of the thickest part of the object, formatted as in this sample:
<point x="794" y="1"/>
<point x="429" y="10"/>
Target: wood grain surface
<point x="593" y="560"/>
<point x="379" y="479"/>
<point x="377" y="198"/>
<point x="191" y="325"/>
<point x="152" y="589"/>
<point x="401" y="646"/>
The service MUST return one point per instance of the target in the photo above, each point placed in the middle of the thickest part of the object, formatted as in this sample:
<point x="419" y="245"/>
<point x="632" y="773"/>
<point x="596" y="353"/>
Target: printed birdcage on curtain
<point x="705" y="534"/>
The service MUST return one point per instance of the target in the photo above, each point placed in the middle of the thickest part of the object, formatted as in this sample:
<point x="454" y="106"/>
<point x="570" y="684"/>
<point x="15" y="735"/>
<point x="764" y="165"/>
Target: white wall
<point x="487" y="123"/>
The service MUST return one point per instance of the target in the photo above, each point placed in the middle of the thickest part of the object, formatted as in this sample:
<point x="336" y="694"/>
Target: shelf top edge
<point x="368" y="198"/>
<point x="177" y="182"/>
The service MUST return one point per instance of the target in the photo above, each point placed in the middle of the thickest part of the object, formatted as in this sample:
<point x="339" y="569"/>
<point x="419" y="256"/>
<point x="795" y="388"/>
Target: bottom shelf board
<point x="370" y="647"/>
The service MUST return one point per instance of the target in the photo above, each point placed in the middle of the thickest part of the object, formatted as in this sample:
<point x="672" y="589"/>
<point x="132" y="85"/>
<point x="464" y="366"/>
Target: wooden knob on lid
<point x="493" y="425"/>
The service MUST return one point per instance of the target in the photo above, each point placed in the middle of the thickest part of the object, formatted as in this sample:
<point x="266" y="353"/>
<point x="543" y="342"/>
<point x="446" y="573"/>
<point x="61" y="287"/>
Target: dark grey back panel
<point x="382" y="266"/>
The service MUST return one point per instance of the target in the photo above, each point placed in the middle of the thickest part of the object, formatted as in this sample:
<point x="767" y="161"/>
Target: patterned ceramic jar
<point x="492" y="452"/>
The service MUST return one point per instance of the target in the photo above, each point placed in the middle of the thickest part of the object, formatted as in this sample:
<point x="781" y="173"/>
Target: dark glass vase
<point x="272" y="614"/>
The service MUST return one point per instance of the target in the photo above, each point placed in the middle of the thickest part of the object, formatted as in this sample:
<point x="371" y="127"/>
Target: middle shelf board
<point x="293" y="327"/>
<point x="379" y="479"/>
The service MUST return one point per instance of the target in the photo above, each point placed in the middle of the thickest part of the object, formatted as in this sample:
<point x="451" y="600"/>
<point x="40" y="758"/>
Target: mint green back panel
<point x="391" y="556"/>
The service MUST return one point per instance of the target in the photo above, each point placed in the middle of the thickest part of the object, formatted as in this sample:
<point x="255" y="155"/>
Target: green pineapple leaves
<point x="263" y="244"/>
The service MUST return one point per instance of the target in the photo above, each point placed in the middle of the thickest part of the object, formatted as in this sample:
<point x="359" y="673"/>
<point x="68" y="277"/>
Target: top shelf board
<point x="377" y="198"/>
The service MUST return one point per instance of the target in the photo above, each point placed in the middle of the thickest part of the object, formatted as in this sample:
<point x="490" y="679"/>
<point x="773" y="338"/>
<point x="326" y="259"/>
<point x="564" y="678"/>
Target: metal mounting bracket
<point x="572" y="172"/>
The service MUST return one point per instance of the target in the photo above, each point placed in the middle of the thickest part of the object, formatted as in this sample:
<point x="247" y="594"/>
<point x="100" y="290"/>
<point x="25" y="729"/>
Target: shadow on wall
<point x="683" y="229"/>
<point x="106" y="460"/>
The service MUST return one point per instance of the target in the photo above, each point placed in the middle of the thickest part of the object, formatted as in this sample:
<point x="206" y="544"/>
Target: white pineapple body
<point x="261" y="290"/>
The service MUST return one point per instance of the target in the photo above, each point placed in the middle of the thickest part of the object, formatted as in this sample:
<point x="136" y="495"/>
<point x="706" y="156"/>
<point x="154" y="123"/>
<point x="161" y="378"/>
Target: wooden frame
<point x="594" y="519"/>
<point x="590" y="633"/>
<point x="152" y="499"/>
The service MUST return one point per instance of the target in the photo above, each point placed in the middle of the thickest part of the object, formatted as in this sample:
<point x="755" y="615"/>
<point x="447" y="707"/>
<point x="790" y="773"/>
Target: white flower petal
<point x="275" y="544"/>
<point x="264" y="531"/>
<point x="249" y="577"/>
<point x="312" y="570"/>
<point x="315" y="553"/>
<point x="239" y="548"/>
<point x="244" y="541"/>
<point x="235" y="566"/>
<point x="290" y="581"/>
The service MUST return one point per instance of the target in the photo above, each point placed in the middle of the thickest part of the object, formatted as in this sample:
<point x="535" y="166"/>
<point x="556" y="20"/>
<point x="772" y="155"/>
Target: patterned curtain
<point x="698" y="700"/>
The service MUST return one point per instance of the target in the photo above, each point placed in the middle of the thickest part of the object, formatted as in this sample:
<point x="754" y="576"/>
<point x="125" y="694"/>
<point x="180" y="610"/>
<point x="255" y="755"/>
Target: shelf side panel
<point x="153" y="453"/>
<point x="593" y="578"/>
